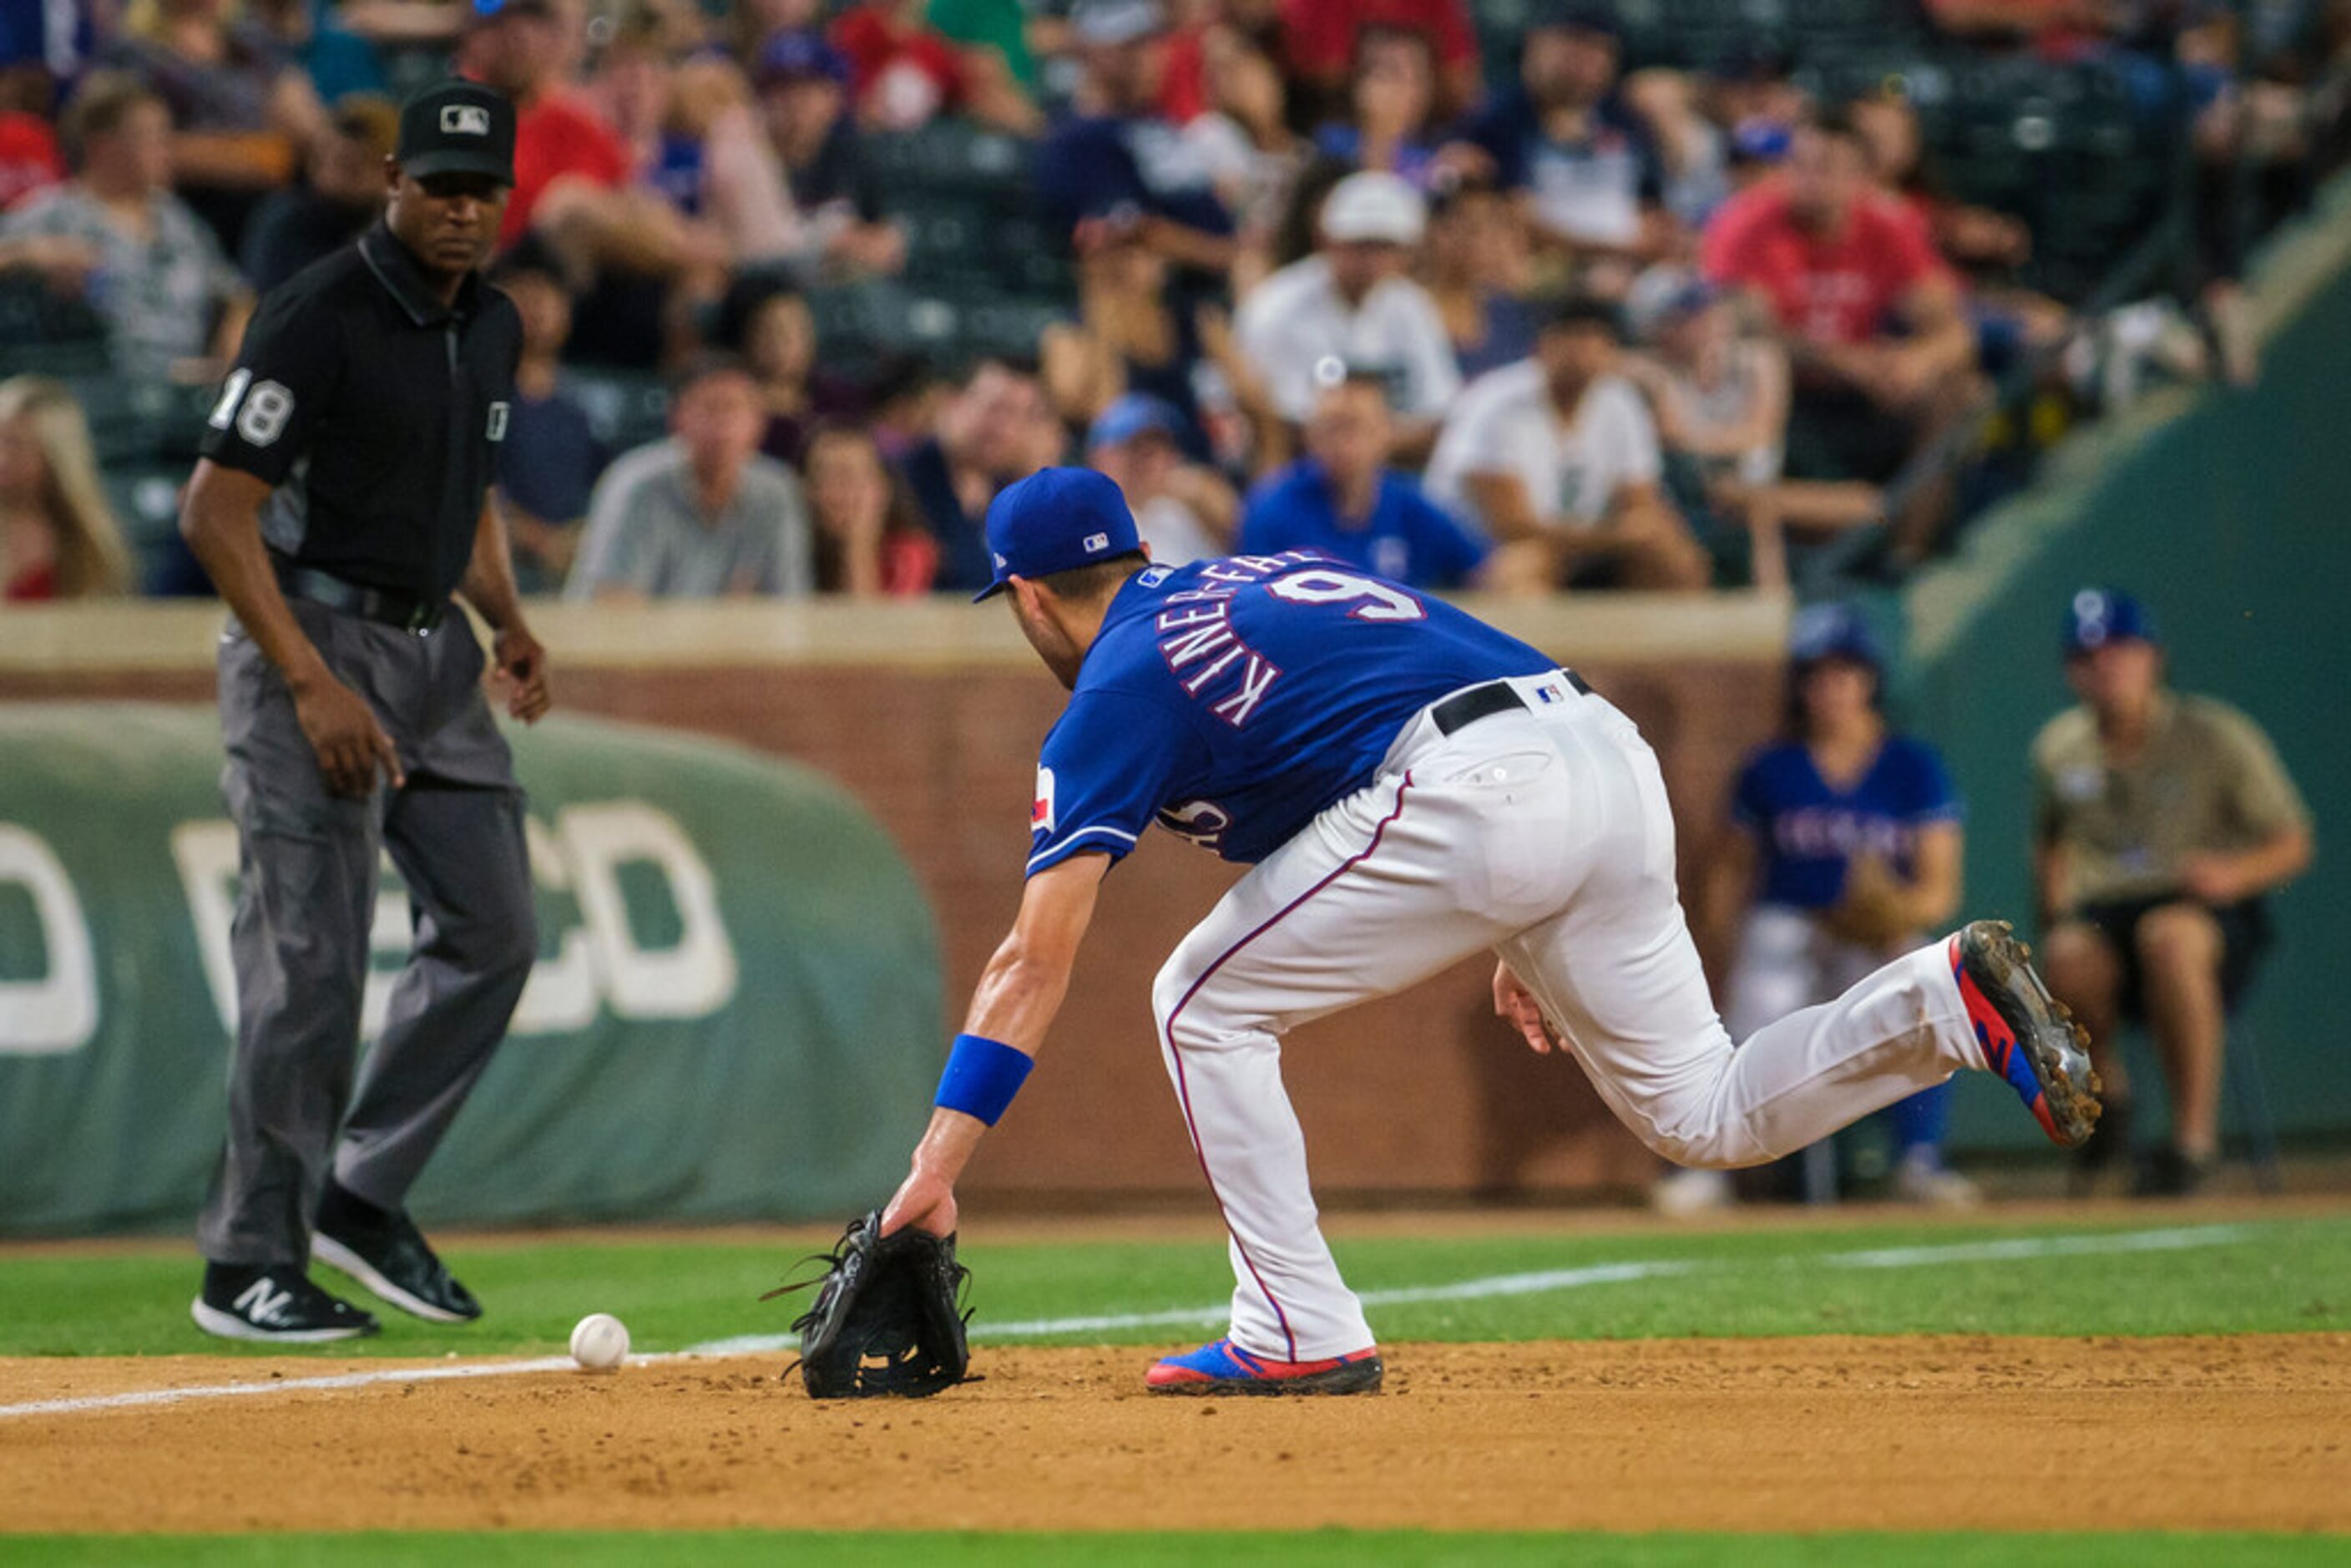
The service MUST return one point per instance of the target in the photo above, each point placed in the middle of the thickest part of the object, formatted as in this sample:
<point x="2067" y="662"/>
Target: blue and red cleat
<point x="2028" y="1036"/>
<point x="1224" y="1367"/>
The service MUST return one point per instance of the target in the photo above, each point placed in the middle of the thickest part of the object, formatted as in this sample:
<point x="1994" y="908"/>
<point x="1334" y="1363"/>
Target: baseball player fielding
<point x="1409" y="787"/>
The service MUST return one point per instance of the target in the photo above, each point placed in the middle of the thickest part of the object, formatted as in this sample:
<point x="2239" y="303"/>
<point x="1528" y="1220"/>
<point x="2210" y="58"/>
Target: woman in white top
<point x="1721" y="400"/>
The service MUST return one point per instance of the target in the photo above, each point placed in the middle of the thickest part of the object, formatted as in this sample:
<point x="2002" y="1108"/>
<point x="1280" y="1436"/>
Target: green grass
<point x="1338" y="1549"/>
<point x="2263" y="1276"/>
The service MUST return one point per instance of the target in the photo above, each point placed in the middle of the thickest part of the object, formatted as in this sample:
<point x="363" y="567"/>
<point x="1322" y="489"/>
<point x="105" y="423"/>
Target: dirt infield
<point x="1810" y="1434"/>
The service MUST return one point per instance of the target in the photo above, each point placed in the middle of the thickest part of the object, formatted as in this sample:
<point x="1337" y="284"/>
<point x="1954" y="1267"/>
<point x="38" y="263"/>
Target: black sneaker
<point x="382" y="1250"/>
<point x="273" y="1303"/>
<point x="2169" y="1172"/>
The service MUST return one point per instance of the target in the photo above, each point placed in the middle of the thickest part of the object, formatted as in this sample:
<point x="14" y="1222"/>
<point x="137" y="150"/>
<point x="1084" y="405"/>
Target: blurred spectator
<point x="903" y="397"/>
<point x="1750" y="91"/>
<point x="305" y="223"/>
<point x="1120" y="164"/>
<point x="1843" y="851"/>
<point x="868" y="542"/>
<point x="58" y="537"/>
<point x="1182" y="511"/>
<point x="1558" y="458"/>
<point x="1871" y="317"/>
<point x="989" y="436"/>
<point x="559" y="146"/>
<point x="1720" y="401"/>
<point x="337" y="61"/>
<point x="116" y="235"/>
<point x="1130" y="335"/>
<point x="1976" y="239"/>
<point x="770" y="326"/>
<point x="1353" y="307"/>
<point x="1254" y="159"/>
<point x="1391" y="122"/>
<point x="1475" y="267"/>
<point x="1344" y="500"/>
<point x="551" y="456"/>
<point x="1583" y="165"/>
<point x="903" y="72"/>
<point x="1693" y="152"/>
<point x="241" y="114"/>
<point x="702" y="513"/>
<point x="1322" y="40"/>
<point x="635" y="263"/>
<point x="694" y="142"/>
<point x="1985" y="247"/>
<point x="803" y="97"/>
<point x="30" y="158"/>
<point x="2161" y="823"/>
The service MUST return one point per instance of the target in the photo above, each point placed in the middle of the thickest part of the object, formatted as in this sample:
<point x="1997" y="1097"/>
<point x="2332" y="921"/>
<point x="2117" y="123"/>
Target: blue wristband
<point x="981" y="1077"/>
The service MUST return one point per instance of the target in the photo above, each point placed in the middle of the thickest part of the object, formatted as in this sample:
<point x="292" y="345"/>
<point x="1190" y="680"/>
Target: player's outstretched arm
<point x="1011" y="1010"/>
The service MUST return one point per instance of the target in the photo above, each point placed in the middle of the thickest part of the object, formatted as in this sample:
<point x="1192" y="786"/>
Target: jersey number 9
<point x="1372" y="600"/>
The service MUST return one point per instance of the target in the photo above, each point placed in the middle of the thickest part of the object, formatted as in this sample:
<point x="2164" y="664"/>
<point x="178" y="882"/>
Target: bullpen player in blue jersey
<point x="1843" y="851"/>
<point x="1411" y="787"/>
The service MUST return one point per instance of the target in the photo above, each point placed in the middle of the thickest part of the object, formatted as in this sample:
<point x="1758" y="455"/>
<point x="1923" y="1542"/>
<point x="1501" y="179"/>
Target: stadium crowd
<point x="1501" y="294"/>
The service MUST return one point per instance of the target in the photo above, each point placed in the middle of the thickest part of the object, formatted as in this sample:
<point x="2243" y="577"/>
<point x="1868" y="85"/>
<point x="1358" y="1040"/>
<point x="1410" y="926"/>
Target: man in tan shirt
<point x="2160" y="821"/>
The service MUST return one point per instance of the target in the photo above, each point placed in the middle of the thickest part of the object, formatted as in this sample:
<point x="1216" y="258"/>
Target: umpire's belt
<point x="408" y="611"/>
<point x="1467" y="707"/>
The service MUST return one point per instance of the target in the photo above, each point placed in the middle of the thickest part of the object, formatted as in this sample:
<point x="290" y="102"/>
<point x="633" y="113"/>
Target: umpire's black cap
<point x="457" y="128"/>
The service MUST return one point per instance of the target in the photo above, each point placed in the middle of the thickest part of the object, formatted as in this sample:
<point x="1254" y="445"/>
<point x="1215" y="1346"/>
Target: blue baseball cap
<point x="1834" y="632"/>
<point x="1057" y="520"/>
<point x="1132" y="414"/>
<point x="2099" y="616"/>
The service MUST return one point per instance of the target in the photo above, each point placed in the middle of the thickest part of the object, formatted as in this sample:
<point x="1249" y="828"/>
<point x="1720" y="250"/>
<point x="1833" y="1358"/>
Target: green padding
<point x="736" y="1012"/>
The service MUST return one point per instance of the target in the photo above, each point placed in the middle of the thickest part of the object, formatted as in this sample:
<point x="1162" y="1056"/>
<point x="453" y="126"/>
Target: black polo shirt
<point x="374" y="409"/>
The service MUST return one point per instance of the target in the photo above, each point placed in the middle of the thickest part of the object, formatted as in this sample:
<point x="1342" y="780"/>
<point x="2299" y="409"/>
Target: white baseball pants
<point x="1545" y="836"/>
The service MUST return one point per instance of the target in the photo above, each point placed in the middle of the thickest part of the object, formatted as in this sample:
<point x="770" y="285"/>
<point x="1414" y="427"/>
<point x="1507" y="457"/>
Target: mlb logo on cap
<point x="1055" y="520"/>
<point x="465" y="119"/>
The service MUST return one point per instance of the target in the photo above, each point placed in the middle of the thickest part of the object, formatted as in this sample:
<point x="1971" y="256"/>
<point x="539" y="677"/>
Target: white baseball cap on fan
<point x="1373" y="207"/>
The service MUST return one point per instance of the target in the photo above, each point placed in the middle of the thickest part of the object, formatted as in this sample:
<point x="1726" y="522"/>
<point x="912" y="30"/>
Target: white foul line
<point x="1488" y="1288"/>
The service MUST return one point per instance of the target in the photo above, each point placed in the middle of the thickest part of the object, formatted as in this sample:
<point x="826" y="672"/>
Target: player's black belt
<point x="1463" y="709"/>
<point x="406" y="610"/>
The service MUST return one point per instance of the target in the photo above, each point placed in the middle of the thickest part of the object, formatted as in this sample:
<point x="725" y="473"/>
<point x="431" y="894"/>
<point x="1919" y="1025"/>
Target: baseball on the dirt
<point x="601" y="1342"/>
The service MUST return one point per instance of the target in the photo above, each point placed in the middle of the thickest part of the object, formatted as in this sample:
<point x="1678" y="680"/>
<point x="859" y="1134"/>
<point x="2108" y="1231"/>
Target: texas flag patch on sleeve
<point x="1040" y="815"/>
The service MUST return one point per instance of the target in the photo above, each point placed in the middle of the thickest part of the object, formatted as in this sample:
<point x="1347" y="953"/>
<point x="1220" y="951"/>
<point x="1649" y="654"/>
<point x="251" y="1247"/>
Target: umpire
<point x="341" y="499"/>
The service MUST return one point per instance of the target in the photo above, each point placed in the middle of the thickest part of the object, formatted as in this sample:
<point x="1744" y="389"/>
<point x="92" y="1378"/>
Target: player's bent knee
<point x="1168" y="988"/>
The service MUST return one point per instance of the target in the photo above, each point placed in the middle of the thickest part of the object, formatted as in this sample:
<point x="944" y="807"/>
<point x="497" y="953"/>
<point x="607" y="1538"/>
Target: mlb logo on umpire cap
<point x="457" y="128"/>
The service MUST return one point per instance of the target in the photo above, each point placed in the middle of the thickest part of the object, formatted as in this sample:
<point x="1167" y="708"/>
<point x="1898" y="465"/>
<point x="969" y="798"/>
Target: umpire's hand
<point x="522" y="663"/>
<point x="342" y="729"/>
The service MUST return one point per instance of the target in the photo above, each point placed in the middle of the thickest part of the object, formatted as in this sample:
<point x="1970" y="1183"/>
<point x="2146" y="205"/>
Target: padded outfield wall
<point x="927" y="717"/>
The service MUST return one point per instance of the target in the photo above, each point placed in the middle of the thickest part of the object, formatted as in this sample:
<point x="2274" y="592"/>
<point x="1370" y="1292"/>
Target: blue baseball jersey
<point x="1408" y="538"/>
<point x="1232" y="700"/>
<point x="1808" y="830"/>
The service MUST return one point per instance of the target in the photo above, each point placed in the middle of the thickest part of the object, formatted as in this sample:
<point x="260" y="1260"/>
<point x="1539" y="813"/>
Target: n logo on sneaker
<point x="263" y="1303"/>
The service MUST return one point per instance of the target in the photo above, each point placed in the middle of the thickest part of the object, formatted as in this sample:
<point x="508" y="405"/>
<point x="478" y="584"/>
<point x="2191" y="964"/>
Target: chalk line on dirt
<point x="1489" y="1287"/>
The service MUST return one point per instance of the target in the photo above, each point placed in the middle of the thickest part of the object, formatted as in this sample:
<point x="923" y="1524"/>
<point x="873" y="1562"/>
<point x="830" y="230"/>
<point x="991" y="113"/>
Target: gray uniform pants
<point x="309" y="861"/>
